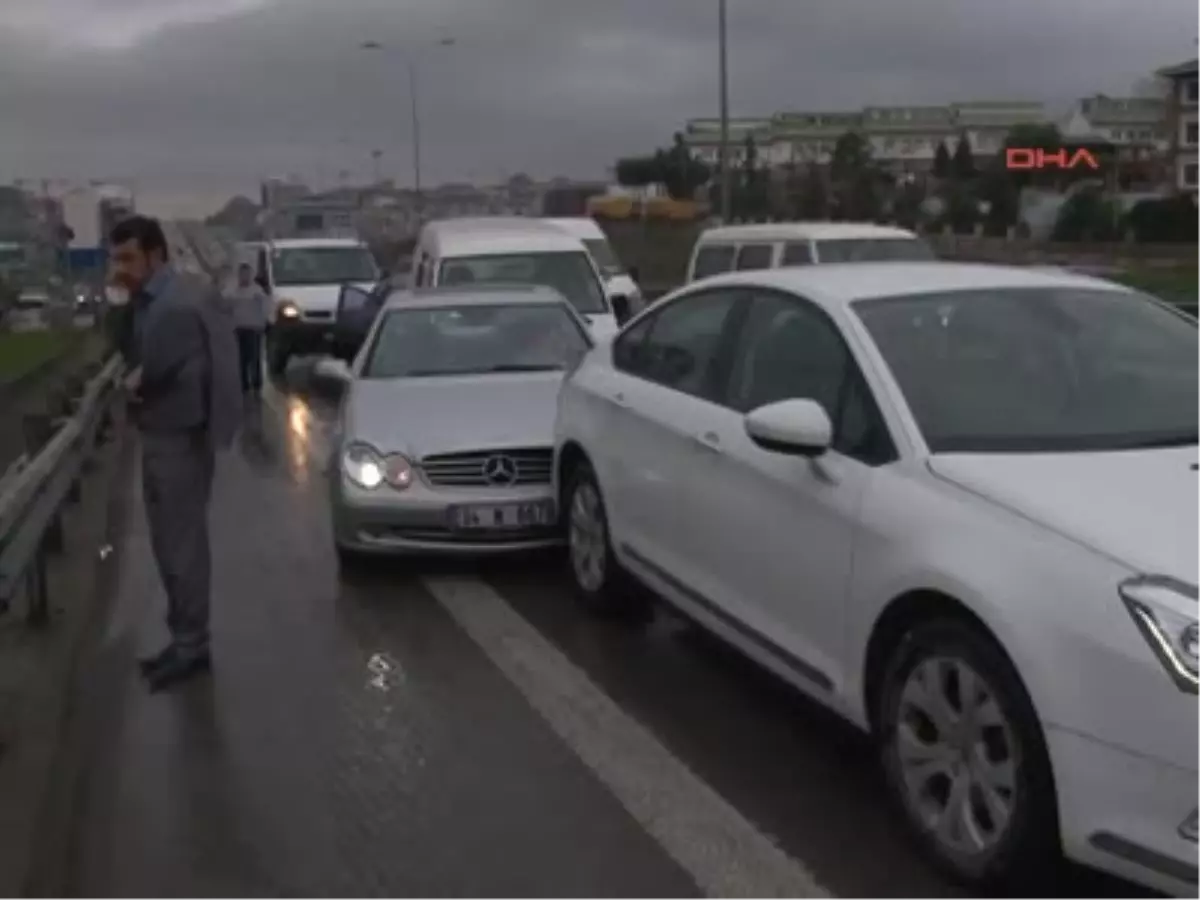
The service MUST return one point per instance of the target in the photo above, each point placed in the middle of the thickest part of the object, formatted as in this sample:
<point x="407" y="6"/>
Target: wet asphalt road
<point x="448" y="730"/>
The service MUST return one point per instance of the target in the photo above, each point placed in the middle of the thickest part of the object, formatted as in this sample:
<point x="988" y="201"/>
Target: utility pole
<point x="726" y="175"/>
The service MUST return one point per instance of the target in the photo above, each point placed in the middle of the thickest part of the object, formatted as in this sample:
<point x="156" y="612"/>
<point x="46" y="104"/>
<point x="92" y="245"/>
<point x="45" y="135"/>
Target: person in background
<point x="251" y="313"/>
<point x="182" y="359"/>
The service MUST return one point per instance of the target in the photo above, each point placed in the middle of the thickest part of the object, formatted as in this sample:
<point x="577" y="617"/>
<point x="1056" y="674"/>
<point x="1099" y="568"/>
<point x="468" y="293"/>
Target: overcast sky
<point x="200" y="98"/>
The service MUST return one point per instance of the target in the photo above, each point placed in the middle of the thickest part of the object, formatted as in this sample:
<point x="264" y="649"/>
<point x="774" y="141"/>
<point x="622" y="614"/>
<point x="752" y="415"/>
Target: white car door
<point x="655" y="394"/>
<point x="771" y="536"/>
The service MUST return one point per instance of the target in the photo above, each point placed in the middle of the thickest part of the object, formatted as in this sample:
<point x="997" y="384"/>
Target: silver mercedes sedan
<point x="444" y="442"/>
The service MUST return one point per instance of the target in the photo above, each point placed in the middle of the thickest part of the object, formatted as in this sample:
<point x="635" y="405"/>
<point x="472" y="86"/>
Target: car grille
<point x="529" y="466"/>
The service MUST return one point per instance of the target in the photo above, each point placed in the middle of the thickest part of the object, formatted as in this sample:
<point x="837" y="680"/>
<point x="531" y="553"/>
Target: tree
<point x="941" y="161"/>
<point x="676" y="169"/>
<point x="1087" y="215"/>
<point x="1044" y="135"/>
<point x="751" y="194"/>
<point x="962" y="166"/>
<point x="856" y="180"/>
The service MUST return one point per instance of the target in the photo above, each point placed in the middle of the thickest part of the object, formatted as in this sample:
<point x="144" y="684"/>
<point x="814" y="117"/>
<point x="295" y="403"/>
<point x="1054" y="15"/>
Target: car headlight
<point x="286" y="309"/>
<point x="1164" y="610"/>
<point x="362" y="465"/>
<point x="368" y="468"/>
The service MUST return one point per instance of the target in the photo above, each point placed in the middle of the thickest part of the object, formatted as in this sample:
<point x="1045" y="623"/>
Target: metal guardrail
<point x="33" y="494"/>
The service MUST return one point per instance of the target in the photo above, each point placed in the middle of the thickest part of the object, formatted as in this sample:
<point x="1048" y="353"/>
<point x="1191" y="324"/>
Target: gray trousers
<point x="177" y="474"/>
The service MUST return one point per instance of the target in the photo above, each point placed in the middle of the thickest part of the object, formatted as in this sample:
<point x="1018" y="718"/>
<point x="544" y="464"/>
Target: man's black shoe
<point x="178" y="668"/>
<point x="149" y="663"/>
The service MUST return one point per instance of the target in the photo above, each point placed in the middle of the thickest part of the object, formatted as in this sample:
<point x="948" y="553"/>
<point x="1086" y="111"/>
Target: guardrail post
<point x="38" y="590"/>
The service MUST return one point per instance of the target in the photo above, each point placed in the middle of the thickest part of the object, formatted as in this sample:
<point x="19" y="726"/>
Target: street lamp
<point x="726" y="181"/>
<point x="410" y="65"/>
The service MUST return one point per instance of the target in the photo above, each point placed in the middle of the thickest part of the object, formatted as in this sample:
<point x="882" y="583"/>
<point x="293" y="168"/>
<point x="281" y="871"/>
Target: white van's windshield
<point x="569" y="273"/>
<point x="602" y="254"/>
<point x="295" y="266"/>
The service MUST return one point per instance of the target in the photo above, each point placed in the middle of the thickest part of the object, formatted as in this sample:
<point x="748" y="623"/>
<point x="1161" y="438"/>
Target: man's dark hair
<point x="146" y="231"/>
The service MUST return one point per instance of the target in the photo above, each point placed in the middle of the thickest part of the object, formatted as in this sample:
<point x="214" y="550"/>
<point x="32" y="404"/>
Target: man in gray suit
<point x="185" y="394"/>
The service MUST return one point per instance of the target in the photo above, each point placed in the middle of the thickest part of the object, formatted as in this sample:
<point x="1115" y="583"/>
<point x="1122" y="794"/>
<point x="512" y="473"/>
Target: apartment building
<point x="1180" y="123"/>
<point x="903" y="138"/>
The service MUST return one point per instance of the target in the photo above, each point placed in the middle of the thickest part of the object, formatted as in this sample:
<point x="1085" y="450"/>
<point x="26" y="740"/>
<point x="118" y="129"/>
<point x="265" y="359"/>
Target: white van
<point x="784" y="244"/>
<point x="513" y="250"/>
<point x="304" y="277"/>
<point x="617" y="281"/>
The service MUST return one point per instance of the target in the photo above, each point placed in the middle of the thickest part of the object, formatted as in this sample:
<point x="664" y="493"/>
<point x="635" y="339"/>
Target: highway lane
<point x="454" y="729"/>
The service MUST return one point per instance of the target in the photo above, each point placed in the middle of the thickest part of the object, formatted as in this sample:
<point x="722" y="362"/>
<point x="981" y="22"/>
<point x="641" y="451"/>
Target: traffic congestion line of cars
<point x="953" y="503"/>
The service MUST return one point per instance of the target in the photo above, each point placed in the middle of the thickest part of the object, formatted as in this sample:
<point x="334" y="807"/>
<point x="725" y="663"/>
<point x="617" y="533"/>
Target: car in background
<point x="31" y="312"/>
<point x="954" y="503"/>
<point x="304" y="278"/>
<point x="739" y="248"/>
<point x="618" y="283"/>
<point x="444" y="440"/>
<point x="514" y="250"/>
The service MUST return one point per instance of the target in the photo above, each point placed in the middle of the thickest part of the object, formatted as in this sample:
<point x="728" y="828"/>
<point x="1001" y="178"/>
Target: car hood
<point x="423" y="416"/>
<point x="1134" y="506"/>
<point x="314" y="297"/>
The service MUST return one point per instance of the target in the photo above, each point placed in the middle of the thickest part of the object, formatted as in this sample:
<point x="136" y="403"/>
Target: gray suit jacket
<point x="189" y="362"/>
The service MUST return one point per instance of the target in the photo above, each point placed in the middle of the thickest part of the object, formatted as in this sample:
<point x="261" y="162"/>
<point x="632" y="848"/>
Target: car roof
<point x="836" y="284"/>
<point x="579" y="226"/>
<point x="494" y="236"/>
<point x="803" y="231"/>
<point x="475" y="295"/>
<point x="304" y="243"/>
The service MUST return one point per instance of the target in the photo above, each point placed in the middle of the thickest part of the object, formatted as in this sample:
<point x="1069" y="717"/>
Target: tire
<point x="1015" y="848"/>
<point x="602" y="586"/>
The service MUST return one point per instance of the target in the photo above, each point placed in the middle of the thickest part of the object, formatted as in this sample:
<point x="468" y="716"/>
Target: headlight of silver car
<point x="363" y="465"/>
<point x="1154" y="601"/>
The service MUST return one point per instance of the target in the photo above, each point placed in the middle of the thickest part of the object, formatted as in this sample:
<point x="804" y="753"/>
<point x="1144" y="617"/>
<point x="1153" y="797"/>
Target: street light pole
<point x="726" y="180"/>
<point x="415" y="110"/>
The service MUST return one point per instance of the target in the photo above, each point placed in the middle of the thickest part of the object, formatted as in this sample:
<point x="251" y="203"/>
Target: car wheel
<point x="964" y="756"/>
<point x="600" y="582"/>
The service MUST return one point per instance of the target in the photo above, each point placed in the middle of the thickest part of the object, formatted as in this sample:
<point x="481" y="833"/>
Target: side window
<point x="796" y="253"/>
<point x="713" y="260"/>
<point x="678" y="345"/>
<point x="790" y="349"/>
<point x="754" y="256"/>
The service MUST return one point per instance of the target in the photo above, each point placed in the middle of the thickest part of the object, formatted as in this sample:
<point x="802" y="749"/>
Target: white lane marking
<point x="724" y="853"/>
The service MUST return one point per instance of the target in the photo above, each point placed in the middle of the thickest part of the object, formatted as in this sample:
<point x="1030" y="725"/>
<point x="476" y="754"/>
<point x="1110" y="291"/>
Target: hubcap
<point x="956" y="756"/>
<point x="587" y="538"/>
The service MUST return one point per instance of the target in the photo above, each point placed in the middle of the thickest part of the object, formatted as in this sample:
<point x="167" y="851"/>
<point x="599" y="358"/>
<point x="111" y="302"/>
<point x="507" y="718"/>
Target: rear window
<point x="713" y="261"/>
<point x="796" y="253"/>
<point x="754" y="256"/>
<point x="874" y="250"/>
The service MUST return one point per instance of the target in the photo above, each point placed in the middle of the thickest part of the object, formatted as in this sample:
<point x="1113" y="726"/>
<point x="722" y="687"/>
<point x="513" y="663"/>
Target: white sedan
<point x="954" y="503"/>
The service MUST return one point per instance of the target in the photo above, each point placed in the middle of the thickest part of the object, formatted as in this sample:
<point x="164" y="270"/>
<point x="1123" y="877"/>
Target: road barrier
<point x="36" y="489"/>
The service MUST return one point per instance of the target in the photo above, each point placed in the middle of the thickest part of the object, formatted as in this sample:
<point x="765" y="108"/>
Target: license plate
<point x="502" y="516"/>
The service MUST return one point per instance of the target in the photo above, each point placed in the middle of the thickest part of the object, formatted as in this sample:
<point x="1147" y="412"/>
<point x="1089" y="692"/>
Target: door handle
<point x="710" y="441"/>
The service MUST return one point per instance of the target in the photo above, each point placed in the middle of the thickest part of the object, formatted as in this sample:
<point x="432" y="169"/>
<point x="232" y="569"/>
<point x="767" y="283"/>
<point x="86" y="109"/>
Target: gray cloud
<point x="149" y="88"/>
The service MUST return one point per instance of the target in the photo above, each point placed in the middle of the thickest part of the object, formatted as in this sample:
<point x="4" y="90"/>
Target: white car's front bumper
<point x="1126" y="813"/>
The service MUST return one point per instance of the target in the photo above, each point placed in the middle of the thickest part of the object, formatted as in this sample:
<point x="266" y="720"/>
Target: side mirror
<point x="792" y="427"/>
<point x="333" y="369"/>
<point x="621" y="309"/>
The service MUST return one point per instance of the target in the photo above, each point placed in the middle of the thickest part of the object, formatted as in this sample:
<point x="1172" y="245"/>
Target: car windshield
<point x="1044" y="369"/>
<point x="874" y="250"/>
<point x="569" y="273"/>
<point x="294" y="266"/>
<point x="602" y="254"/>
<point x="475" y="340"/>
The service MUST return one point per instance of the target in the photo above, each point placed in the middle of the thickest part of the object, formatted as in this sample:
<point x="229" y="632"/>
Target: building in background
<point x="1180" y="123"/>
